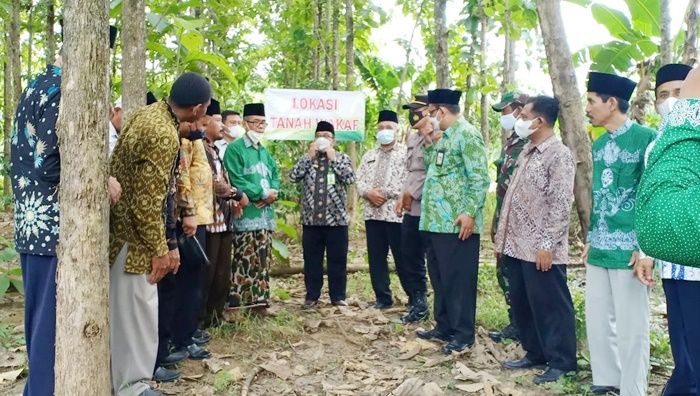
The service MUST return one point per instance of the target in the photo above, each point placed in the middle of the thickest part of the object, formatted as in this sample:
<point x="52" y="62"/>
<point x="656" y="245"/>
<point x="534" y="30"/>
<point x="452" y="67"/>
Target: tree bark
<point x="690" y="48"/>
<point x="571" y="121"/>
<point x="50" y="39"/>
<point x="642" y="100"/>
<point x="7" y="109"/>
<point x="509" y="65"/>
<point x="350" y="85"/>
<point x="82" y="281"/>
<point x="442" y="60"/>
<point x="335" y="60"/>
<point x="665" y="47"/>
<point x="14" y="74"/>
<point x="133" y="56"/>
<point x="484" y="105"/>
<point x="316" y="71"/>
<point x="30" y="41"/>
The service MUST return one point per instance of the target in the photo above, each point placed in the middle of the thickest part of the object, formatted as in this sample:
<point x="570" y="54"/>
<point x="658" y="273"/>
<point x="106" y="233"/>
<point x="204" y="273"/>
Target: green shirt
<point x="618" y="163"/>
<point x="252" y="170"/>
<point x="668" y="222"/>
<point x="456" y="181"/>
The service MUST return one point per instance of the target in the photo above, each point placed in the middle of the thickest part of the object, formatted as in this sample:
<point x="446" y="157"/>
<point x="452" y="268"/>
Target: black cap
<point x="388" y="115"/>
<point x="444" y="96"/>
<point x="325" y="126"/>
<point x="611" y="84"/>
<point x="254" y="109"/>
<point x="672" y="72"/>
<point x="417" y="102"/>
<point x="150" y="98"/>
<point x="190" y="89"/>
<point x="112" y="34"/>
<point x="214" y="107"/>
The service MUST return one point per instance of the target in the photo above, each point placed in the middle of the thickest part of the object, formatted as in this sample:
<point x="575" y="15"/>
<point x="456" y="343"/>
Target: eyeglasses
<point x="257" y="123"/>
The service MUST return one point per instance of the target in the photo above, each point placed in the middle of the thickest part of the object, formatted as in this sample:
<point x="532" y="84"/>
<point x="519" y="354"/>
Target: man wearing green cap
<point x="510" y="106"/>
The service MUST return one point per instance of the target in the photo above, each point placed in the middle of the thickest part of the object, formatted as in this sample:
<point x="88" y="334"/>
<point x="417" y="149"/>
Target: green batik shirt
<point x="668" y="223"/>
<point x="505" y="167"/>
<point x="456" y="180"/>
<point x="618" y="163"/>
<point x="252" y="170"/>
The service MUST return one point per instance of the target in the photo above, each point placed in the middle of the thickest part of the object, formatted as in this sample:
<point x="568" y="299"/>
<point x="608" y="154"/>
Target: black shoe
<point x="551" y="375"/>
<point x="605" y="390"/>
<point x="201" y="337"/>
<point x="174" y="358"/>
<point x="164" y="375"/>
<point x="509" y="332"/>
<point x="433" y="334"/>
<point x="523" y="363"/>
<point x="382" y="306"/>
<point x="418" y="312"/>
<point x="339" y="303"/>
<point x="151" y="392"/>
<point x="195" y="352"/>
<point x="456" y="346"/>
<point x="309" y="304"/>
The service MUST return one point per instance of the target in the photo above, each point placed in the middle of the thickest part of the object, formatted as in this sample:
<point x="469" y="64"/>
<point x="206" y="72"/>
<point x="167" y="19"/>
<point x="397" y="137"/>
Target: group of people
<point x="193" y="191"/>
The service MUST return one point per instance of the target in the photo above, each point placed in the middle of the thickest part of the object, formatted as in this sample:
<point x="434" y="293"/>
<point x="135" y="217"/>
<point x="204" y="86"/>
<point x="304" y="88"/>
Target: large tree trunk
<point x="315" y="28"/>
<point x="335" y="59"/>
<point x="15" y="74"/>
<point x="442" y="60"/>
<point x="571" y="122"/>
<point x="133" y="56"/>
<point x="50" y="40"/>
<point x="350" y="85"/>
<point x="665" y="47"/>
<point x="690" y="48"/>
<point x="7" y="109"/>
<point x="82" y="281"/>
<point x="484" y="105"/>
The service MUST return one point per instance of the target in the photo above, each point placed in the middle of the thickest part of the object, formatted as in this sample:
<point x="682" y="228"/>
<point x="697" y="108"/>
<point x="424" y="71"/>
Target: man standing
<point x="144" y="161"/>
<point x="617" y="305"/>
<point x="510" y="106"/>
<point x="533" y="240"/>
<point x="116" y="120"/>
<point x="325" y="176"/>
<point x="234" y="129"/>
<point x="412" y="271"/>
<point x="380" y="179"/>
<point x="252" y="169"/>
<point x="453" y="197"/>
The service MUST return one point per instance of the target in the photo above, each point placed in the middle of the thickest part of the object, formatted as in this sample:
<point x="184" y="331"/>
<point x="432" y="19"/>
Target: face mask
<point x="256" y="137"/>
<point x="666" y="107"/>
<point x="414" y="117"/>
<point x="436" y="123"/>
<point x="323" y="144"/>
<point x="508" y="122"/>
<point x="386" y="136"/>
<point x="522" y="128"/>
<point x="236" y="131"/>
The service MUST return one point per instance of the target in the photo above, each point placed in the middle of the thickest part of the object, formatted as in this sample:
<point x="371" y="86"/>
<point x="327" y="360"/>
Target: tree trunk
<point x="7" y="109"/>
<point x="509" y="64"/>
<point x="82" y="281"/>
<point x="316" y="72"/>
<point x="133" y="56"/>
<point x="690" y="49"/>
<point x="335" y="60"/>
<point x="571" y="121"/>
<point x="14" y="86"/>
<point x="484" y="105"/>
<point x="642" y="99"/>
<point x="665" y="47"/>
<point x="404" y="72"/>
<point x="30" y="41"/>
<point x="350" y="85"/>
<point x="442" y="60"/>
<point x="50" y="40"/>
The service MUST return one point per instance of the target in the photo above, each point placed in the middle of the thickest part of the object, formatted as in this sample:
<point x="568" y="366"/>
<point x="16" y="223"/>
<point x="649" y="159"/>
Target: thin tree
<point x="133" y="55"/>
<point x="83" y="278"/>
<point x="484" y="105"/>
<point x="350" y="85"/>
<point x="14" y="67"/>
<point x="50" y="40"/>
<point x="442" y="60"/>
<point x="665" y="49"/>
<point x="571" y="121"/>
<point x="335" y="59"/>
<point x="509" y="64"/>
<point x="690" y="48"/>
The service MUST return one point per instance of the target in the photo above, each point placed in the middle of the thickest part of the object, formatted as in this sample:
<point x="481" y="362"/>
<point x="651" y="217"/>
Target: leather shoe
<point x="523" y="363"/>
<point x="509" y="332"/>
<point x="456" y="346"/>
<point x="164" y="375"/>
<point x="195" y="352"/>
<point x="174" y="358"/>
<point x="551" y="375"/>
<point x="201" y="337"/>
<point x="339" y="303"/>
<point x="433" y="334"/>
<point x="151" y="392"/>
<point x="415" y="315"/>
<point x="604" y="390"/>
<point x="382" y="306"/>
<point x="309" y="304"/>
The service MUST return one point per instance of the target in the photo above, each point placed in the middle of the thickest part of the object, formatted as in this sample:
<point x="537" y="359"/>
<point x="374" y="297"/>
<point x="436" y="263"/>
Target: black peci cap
<point x="611" y="84"/>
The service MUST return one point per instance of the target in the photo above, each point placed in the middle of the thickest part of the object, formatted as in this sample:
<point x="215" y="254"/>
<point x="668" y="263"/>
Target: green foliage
<point x="10" y="273"/>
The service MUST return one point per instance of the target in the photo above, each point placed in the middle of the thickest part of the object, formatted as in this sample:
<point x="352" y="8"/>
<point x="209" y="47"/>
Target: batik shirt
<point x="505" y="167"/>
<point x="457" y="179"/>
<point x="618" y="163"/>
<point x="35" y="165"/>
<point x="324" y="189"/>
<point x="195" y="182"/>
<point x="537" y="206"/>
<point x="385" y="170"/>
<point x="668" y="212"/>
<point x="252" y="170"/>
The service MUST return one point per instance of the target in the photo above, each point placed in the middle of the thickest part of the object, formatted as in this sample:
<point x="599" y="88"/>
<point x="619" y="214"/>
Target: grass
<point x="491" y="309"/>
<point x="262" y="331"/>
<point x="9" y="337"/>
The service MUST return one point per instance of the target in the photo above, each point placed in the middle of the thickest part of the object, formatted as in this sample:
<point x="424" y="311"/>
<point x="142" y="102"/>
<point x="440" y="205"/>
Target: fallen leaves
<point x="10" y="376"/>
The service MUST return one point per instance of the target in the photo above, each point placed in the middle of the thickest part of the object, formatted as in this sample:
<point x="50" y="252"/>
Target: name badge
<point x="331" y="179"/>
<point x="440" y="159"/>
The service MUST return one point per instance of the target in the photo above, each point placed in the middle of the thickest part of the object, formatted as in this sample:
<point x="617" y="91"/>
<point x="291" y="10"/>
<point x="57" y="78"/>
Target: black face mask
<point x="414" y="117"/>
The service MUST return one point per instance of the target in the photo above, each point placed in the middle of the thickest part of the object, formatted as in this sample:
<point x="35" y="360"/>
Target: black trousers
<point x="166" y="310"/>
<point x="411" y="269"/>
<point x="217" y="282"/>
<point x="544" y="313"/>
<point x="318" y="241"/>
<point x="682" y="301"/>
<point x="188" y="297"/>
<point x="453" y="266"/>
<point x="382" y="235"/>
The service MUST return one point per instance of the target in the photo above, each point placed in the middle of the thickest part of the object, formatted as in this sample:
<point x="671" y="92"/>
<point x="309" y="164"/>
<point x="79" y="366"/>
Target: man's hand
<point x="174" y="256"/>
<point x="313" y="150"/>
<point x="244" y="201"/>
<point x="271" y="198"/>
<point x="406" y="200"/>
<point x="544" y="260"/>
<point x="466" y="226"/>
<point x="160" y="266"/>
<point x="644" y="270"/>
<point x="330" y="153"/>
<point x="376" y="197"/>
<point x="115" y="190"/>
<point x="398" y="209"/>
<point x="189" y="225"/>
<point x="584" y="255"/>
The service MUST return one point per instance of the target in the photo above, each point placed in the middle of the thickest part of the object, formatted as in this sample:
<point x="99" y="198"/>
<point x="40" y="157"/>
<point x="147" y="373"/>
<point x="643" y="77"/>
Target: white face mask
<point x="322" y="144"/>
<point x="666" y="107"/>
<point x="236" y="131"/>
<point x="256" y="137"/>
<point x="508" y="122"/>
<point x="386" y="136"/>
<point x="436" y="123"/>
<point x="522" y="128"/>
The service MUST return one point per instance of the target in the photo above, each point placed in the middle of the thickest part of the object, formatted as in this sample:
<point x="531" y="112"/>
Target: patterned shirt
<point x="457" y="179"/>
<point x="385" y="170"/>
<point x="144" y="162"/>
<point x="618" y="162"/>
<point x="505" y="166"/>
<point x="194" y="182"/>
<point x="415" y="167"/>
<point x="35" y="165"/>
<point x="223" y="211"/>
<point x="537" y="206"/>
<point x="324" y="189"/>
<point x="668" y="218"/>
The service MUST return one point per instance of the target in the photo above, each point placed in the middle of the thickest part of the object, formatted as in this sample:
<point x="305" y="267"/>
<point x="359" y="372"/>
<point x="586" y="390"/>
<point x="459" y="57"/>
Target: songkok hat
<point x="150" y="98"/>
<point x="214" y="107"/>
<point x="672" y="72"/>
<point x="388" y="115"/>
<point x="190" y="89"/>
<point x="611" y="84"/>
<point x="444" y="96"/>
<point x="325" y="126"/>
<point x="254" y="109"/>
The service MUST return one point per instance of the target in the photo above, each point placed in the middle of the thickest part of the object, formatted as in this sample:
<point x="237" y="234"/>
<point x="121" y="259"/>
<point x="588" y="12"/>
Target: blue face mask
<point x="386" y="136"/>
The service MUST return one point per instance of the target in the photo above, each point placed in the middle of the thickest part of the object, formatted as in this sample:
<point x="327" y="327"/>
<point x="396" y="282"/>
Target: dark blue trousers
<point x="39" y="278"/>
<point x="411" y="269"/>
<point x="187" y="297"/>
<point x="682" y="302"/>
<point x="544" y="313"/>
